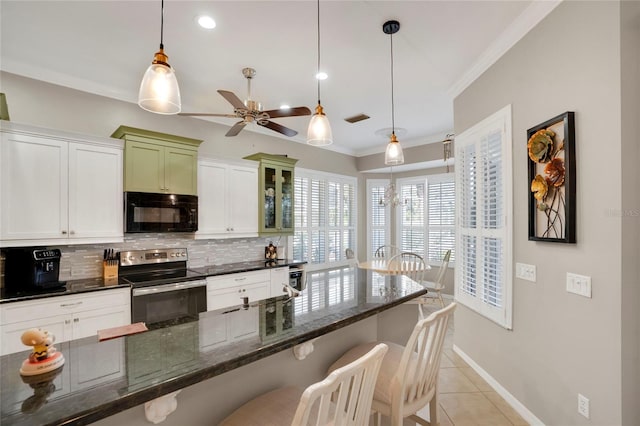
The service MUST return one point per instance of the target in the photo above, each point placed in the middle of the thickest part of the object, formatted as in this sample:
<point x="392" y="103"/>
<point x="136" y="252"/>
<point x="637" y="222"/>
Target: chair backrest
<point x="386" y="252"/>
<point x="349" y="253"/>
<point x="345" y="396"/>
<point x="409" y="264"/>
<point x="415" y="381"/>
<point x="443" y="270"/>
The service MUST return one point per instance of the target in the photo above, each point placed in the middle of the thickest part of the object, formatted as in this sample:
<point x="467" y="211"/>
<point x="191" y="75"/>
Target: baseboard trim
<point x="517" y="405"/>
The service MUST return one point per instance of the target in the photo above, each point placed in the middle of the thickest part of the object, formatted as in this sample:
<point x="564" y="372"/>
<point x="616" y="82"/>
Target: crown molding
<point x="529" y="18"/>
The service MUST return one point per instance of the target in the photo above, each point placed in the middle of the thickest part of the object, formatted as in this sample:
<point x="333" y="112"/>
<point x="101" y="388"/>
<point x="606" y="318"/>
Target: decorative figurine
<point x="44" y="357"/>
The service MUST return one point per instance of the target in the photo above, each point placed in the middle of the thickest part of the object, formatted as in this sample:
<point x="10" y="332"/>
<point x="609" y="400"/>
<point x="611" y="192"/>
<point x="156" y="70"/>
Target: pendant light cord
<point x="161" y="24"/>
<point x="318" y="72"/>
<point x="393" y="112"/>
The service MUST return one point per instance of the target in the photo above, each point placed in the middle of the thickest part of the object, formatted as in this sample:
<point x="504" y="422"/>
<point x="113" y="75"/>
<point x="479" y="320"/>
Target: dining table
<point x="384" y="266"/>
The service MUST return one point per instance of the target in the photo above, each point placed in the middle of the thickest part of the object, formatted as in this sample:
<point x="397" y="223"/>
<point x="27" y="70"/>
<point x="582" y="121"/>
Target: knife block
<point x="110" y="270"/>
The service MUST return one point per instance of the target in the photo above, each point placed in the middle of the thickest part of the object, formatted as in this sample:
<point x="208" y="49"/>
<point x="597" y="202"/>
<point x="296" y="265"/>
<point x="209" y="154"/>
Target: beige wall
<point x="630" y="75"/>
<point x="563" y="344"/>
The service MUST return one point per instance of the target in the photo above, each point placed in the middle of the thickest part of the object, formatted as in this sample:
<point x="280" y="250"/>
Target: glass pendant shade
<point x="319" y="130"/>
<point x="393" y="155"/>
<point x="159" y="91"/>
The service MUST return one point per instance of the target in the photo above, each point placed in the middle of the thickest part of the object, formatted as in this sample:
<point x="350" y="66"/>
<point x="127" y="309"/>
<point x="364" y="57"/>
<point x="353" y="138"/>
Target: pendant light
<point x="159" y="91"/>
<point x="393" y="155"/>
<point x="319" y="130"/>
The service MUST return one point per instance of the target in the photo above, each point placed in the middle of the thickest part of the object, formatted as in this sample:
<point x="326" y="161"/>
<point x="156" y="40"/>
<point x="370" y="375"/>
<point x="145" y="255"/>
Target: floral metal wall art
<point x="552" y="180"/>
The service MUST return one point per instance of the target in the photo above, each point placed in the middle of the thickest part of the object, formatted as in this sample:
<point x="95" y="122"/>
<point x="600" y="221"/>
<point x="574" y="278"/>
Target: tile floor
<point x="465" y="398"/>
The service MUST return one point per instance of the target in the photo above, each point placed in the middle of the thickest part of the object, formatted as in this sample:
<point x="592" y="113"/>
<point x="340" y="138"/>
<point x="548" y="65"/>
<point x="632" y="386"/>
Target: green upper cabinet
<point x="159" y="162"/>
<point x="275" y="194"/>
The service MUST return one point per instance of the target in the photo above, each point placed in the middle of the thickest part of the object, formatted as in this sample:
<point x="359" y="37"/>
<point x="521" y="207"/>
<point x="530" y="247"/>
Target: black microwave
<point x="150" y="212"/>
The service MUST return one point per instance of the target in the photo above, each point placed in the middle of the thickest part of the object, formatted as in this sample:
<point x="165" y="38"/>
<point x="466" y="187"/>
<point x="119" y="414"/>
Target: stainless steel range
<point x="164" y="291"/>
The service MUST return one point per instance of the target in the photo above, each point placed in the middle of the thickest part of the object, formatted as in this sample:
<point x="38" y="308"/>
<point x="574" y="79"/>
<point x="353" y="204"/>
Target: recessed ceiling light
<point x="206" y="22"/>
<point x="322" y="75"/>
<point x="285" y="106"/>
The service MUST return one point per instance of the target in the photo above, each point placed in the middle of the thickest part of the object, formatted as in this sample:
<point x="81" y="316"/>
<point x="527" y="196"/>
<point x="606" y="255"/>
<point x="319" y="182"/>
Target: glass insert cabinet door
<point x="275" y="194"/>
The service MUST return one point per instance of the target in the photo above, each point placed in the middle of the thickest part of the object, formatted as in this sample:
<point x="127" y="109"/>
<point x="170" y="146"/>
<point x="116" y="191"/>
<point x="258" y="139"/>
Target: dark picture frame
<point x="552" y="180"/>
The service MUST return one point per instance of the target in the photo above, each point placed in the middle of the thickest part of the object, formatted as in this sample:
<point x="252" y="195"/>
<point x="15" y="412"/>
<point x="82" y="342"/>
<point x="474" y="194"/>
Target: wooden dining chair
<point x="408" y="377"/>
<point x="409" y="264"/>
<point x="435" y="287"/>
<point x="343" y="398"/>
<point x="386" y="252"/>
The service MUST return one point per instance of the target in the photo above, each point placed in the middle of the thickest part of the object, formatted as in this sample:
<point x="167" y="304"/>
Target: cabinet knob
<point x="72" y="232"/>
<point x="64" y="232"/>
<point x="67" y="321"/>
<point x="239" y="290"/>
<point x="76" y="320"/>
<point x="232" y="229"/>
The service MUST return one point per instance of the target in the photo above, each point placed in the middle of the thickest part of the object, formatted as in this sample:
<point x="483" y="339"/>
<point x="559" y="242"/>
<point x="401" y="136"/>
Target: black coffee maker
<point x="32" y="268"/>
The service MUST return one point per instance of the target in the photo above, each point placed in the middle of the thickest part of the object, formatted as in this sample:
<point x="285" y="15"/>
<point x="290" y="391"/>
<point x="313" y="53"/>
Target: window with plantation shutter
<point x="441" y="218"/>
<point x="325" y="210"/>
<point x="426" y="224"/>
<point x="378" y="223"/>
<point x="412" y="222"/>
<point x="483" y="192"/>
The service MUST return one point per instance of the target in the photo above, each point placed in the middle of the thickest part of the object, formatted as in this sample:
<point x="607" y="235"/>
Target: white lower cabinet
<point x="230" y="290"/>
<point x="66" y="317"/>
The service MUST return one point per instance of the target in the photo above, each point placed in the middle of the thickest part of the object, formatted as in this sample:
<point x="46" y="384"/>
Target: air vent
<point x="356" y="118"/>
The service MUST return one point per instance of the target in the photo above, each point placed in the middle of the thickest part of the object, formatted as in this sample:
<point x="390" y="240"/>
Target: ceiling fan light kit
<point x="393" y="154"/>
<point x="319" y="130"/>
<point x="159" y="91"/>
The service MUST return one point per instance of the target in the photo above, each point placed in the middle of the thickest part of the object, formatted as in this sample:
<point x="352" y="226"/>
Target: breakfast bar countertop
<point x="100" y="379"/>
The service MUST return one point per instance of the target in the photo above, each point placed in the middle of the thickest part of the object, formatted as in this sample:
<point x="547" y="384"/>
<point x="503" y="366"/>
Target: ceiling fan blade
<point x="204" y="114"/>
<point x="232" y="99"/>
<point x="279" y="128"/>
<point x="236" y="128"/>
<point x="290" y="112"/>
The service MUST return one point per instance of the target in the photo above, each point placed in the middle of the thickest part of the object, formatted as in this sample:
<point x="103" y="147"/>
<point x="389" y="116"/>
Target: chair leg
<point x="433" y="409"/>
<point x="441" y="299"/>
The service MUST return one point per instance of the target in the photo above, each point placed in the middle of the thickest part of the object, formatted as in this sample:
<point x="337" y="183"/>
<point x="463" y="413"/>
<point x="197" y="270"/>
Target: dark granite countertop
<point x="100" y="379"/>
<point x="71" y="287"/>
<point x="95" y="284"/>
<point x="252" y="265"/>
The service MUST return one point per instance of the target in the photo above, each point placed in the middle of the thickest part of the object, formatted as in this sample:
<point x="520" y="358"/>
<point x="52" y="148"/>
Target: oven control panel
<point x="145" y="257"/>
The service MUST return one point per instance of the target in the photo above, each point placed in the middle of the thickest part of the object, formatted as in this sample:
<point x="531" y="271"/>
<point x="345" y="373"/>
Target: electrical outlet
<point x="583" y="405"/>
<point x="579" y="284"/>
<point x="526" y="272"/>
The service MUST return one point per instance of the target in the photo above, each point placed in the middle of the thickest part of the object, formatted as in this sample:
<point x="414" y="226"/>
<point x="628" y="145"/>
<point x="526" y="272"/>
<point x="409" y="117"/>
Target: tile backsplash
<point x="85" y="261"/>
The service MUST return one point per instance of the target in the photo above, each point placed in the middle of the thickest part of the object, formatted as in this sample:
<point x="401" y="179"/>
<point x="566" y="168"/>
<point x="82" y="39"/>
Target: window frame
<point x="375" y="183"/>
<point x="500" y="121"/>
<point x="326" y="177"/>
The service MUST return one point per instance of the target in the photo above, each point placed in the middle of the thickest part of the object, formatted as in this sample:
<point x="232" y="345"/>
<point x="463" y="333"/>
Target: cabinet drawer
<point x="232" y="296"/>
<point x="51" y="306"/>
<point x="233" y="280"/>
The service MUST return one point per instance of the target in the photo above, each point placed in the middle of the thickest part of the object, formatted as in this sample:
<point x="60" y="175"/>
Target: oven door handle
<point x="167" y="287"/>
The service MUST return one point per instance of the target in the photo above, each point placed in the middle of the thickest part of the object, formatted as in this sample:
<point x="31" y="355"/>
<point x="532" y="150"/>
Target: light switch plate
<point x="579" y="284"/>
<point x="526" y="272"/>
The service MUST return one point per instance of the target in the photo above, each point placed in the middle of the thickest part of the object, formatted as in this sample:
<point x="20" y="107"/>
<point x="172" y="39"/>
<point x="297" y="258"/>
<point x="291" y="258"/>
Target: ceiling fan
<point x="250" y="111"/>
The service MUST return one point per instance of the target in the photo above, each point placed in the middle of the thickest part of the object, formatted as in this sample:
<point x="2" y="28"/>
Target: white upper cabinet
<point x="227" y="199"/>
<point x="59" y="188"/>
